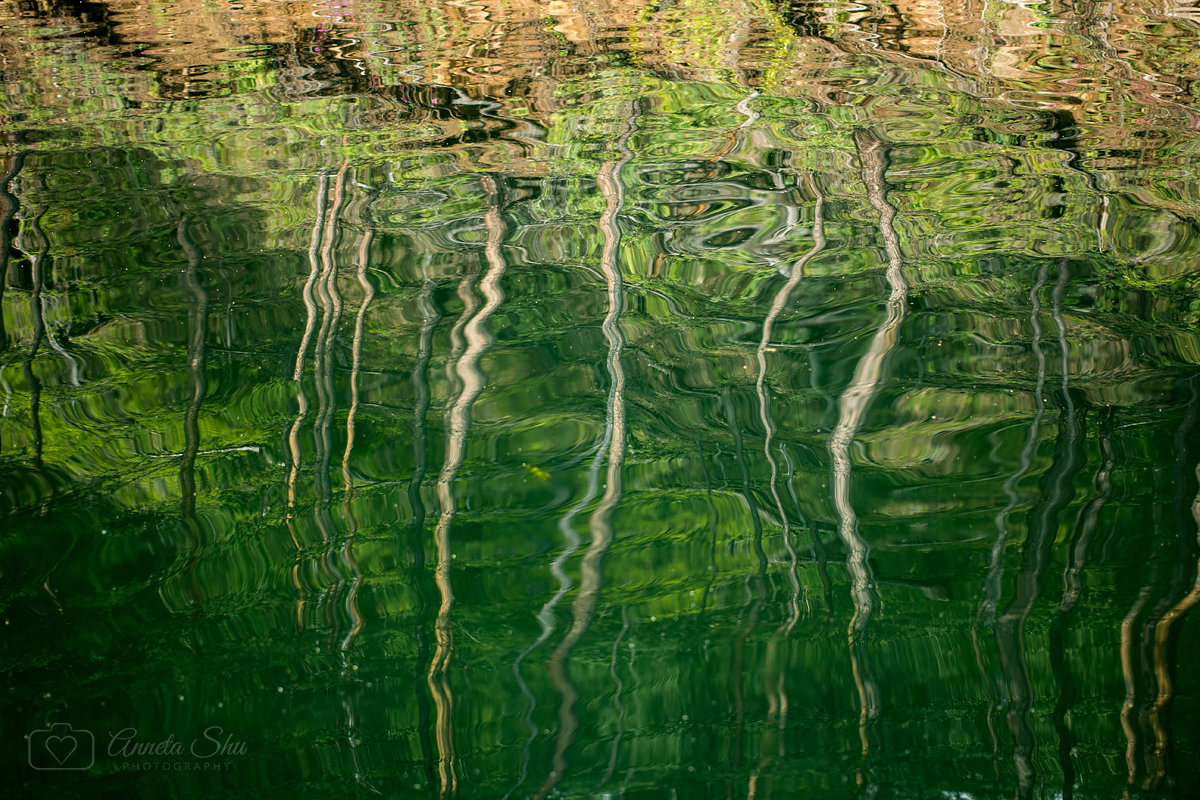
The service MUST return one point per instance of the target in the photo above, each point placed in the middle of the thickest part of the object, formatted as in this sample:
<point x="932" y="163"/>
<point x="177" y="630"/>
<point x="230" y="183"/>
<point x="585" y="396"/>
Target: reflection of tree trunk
<point x="852" y="409"/>
<point x="331" y="302"/>
<point x="197" y="332"/>
<point x="310" y="307"/>
<point x="1159" y="632"/>
<point x="1072" y="589"/>
<point x="37" y="280"/>
<point x="458" y="421"/>
<point x="368" y="289"/>
<point x="293" y="436"/>
<point x="814" y="537"/>
<point x="1146" y="649"/>
<point x="995" y="574"/>
<point x="619" y="687"/>
<point x="1137" y="642"/>
<point x="546" y="618"/>
<point x="1010" y="626"/>
<point x="600" y="523"/>
<point x="1166" y="633"/>
<point x="986" y="615"/>
<point x="349" y="562"/>
<point x="8" y="211"/>
<point x="713" y="530"/>
<point x="1130" y="673"/>
<point x="777" y="699"/>
<point x="416" y="533"/>
<point x="1056" y="492"/>
<point x="746" y="624"/>
<point x="764" y="398"/>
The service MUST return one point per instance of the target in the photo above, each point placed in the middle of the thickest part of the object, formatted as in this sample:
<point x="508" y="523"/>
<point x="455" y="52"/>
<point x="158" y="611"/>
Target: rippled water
<point x="599" y="399"/>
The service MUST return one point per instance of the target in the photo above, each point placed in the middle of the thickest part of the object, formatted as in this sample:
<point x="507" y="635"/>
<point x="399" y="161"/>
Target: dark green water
<point x="448" y="403"/>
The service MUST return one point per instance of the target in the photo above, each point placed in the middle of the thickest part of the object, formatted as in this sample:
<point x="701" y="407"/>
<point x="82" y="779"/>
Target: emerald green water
<point x="450" y="403"/>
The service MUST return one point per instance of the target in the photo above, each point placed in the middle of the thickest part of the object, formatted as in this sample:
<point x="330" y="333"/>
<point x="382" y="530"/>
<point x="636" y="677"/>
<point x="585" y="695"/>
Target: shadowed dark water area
<point x="526" y="400"/>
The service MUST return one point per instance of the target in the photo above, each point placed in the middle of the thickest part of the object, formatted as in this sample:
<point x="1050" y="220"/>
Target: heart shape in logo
<point x="61" y="747"/>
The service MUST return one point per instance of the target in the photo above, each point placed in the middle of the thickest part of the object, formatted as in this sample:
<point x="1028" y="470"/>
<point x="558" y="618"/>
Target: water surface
<point x="599" y="399"/>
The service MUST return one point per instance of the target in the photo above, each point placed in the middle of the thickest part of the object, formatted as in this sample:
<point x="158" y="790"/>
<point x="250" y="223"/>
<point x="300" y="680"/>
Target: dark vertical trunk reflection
<point x="546" y="616"/>
<point x="814" y="536"/>
<point x="37" y="263"/>
<point x="197" y="305"/>
<point x="1056" y="490"/>
<point x="1160" y="631"/>
<point x="8" y="212"/>
<point x="993" y="584"/>
<point x="757" y="580"/>
<point x="618" y="705"/>
<point x="197" y="300"/>
<point x="349" y="562"/>
<point x="775" y="677"/>
<point x="1077" y="555"/>
<point x="416" y="529"/>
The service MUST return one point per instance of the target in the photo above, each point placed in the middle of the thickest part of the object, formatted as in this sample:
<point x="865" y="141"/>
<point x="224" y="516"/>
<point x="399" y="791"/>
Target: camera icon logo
<point x="62" y="747"/>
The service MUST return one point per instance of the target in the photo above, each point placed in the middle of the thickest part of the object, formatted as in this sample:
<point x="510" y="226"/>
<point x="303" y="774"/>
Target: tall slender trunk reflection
<point x="600" y="523"/>
<point x="1056" y="490"/>
<point x="1077" y="556"/>
<point x="197" y="332"/>
<point x="546" y="617"/>
<point x="331" y="301"/>
<point x="8" y="212"/>
<point x="814" y="536"/>
<point x="368" y="294"/>
<point x="293" y="436"/>
<point x="993" y="584"/>
<point x="1166" y="633"/>
<point x="197" y="300"/>
<point x="1160" y="631"/>
<point x="458" y="425"/>
<point x="310" y="308"/>
<point x="349" y="563"/>
<point x="37" y="263"/>
<point x="1129" y="673"/>
<point x="757" y="581"/>
<point x="416" y="531"/>
<point x="777" y="698"/>
<point x="764" y="398"/>
<point x="618" y="706"/>
<point x="852" y="409"/>
<point x="712" y="526"/>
